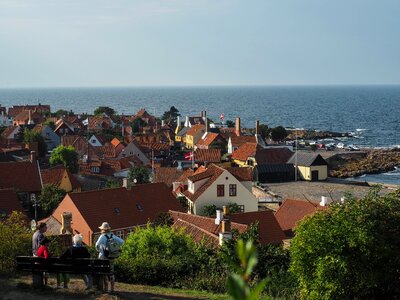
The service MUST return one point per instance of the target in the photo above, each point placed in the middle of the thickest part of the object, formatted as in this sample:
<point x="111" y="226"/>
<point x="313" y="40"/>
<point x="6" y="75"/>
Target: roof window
<point x="139" y="207"/>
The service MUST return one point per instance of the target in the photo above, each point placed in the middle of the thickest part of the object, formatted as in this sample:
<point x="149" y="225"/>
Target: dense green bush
<point x="351" y="250"/>
<point x="16" y="239"/>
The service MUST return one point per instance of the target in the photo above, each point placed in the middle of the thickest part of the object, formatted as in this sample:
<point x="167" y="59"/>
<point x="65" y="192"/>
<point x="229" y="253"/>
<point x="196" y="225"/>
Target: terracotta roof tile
<point x="208" y="155"/>
<point x="292" y="211"/>
<point x="241" y="174"/>
<point x="194" y="129"/>
<point x="208" y="139"/>
<point x="55" y="175"/>
<point x="123" y="208"/>
<point x="8" y="131"/>
<point x="9" y="201"/>
<point x="245" y="151"/>
<point x="238" y="141"/>
<point x="269" y="230"/>
<point x="168" y="175"/>
<point x="22" y="176"/>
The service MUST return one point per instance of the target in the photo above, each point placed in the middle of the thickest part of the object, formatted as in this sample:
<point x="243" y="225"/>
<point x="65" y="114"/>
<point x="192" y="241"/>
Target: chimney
<point x="33" y="156"/>
<point x="162" y="123"/>
<point x="206" y="122"/>
<point x="219" y="217"/>
<point x="201" y="114"/>
<point x="257" y="127"/>
<point x="187" y="121"/>
<point x="66" y="221"/>
<point x="225" y="233"/>
<point x="324" y="201"/>
<point x="126" y="183"/>
<point x="237" y="127"/>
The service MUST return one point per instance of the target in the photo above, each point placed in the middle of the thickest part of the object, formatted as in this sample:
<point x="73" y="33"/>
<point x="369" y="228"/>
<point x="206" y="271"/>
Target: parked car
<point x="340" y="146"/>
<point x="330" y="147"/>
<point x="352" y="148"/>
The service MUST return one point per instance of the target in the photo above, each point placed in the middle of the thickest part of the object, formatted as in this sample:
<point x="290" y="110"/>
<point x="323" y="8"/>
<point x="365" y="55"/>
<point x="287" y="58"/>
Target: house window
<point x="93" y="141"/>
<point x="61" y="130"/>
<point x="120" y="234"/>
<point x="241" y="207"/>
<point x="130" y="230"/>
<point x="232" y="190"/>
<point x="220" y="190"/>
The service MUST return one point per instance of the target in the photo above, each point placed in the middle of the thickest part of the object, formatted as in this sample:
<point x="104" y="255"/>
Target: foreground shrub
<point x="16" y="239"/>
<point x="351" y="250"/>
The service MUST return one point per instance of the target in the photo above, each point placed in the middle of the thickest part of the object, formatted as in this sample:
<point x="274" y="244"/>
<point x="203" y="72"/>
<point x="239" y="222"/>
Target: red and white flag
<point x="222" y="116"/>
<point x="189" y="155"/>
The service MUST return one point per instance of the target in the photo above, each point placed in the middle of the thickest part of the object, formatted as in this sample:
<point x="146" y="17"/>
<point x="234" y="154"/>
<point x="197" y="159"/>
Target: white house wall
<point x="243" y="195"/>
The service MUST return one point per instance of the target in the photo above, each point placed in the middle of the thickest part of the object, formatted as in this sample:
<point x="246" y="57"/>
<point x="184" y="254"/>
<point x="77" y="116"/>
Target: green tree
<point x="50" y="198"/>
<point x="17" y="240"/>
<point x="137" y="124"/>
<point x="30" y="136"/>
<point x="170" y="115"/>
<point x="49" y="123"/>
<point x="61" y="113"/>
<point x="104" y="110"/>
<point x="264" y="130"/>
<point x="139" y="175"/>
<point x="278" y="133"/>
<point x="351" y="250"/>
<point x="209" y="210"/>
<point x="230" y="123"/>
<point x="184" y="202"/>
<point x="65" y="155"/>
<point x="110" y="184"/>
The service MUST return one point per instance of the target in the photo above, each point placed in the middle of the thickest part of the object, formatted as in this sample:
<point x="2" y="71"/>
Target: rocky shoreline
<point x="370" y="162"/>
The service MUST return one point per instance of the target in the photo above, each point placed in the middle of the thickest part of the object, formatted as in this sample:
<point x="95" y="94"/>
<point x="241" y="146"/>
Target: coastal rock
<point x="375" y="161"/>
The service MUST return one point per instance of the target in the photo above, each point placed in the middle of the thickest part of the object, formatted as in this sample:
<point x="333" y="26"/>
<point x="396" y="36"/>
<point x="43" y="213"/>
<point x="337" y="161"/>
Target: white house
<point x="5" y="120"/>
<point x="133" y="149"/>
<point x="95" y="141"/>
<point x="218" y="186"/>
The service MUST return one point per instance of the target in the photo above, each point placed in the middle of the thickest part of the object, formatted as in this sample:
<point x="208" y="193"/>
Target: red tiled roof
<point x="292" y="211"/>
<point x="245" y="151"/>
<point x="198" y="234"/>
<point x="208" y="155"/>
<point x="238" y="141"/>
<point x="206" y="224"/>
<point x="167" y="175"/>
<point x="208" y="139"/>
<point x="5" y="134"/>
<point x="22" y="176"/>
<point x="55" y="175"/>
<point x="99" y="122"/>
<point x="241" y="174"/>
<point x="16" y="109"/>
<point x="185" y="175"/>
<point x="271" y="156"/>
<point x="194" y="129"/>
<point x="23" y="116"/>
<point x="9" y="201"/>
<point x="123" y="208"/>
<point x="269" y="230"/>
<point x="115" y="142"/>
<point x="213" y="172"/>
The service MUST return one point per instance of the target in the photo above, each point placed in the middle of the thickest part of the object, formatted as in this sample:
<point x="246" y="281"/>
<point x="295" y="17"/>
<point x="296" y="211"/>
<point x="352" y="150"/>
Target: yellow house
<point x="310" y="166"/>
<point x="60" y="177"/>
<point x="193" y="135"/>
<point x="244" y="156"/>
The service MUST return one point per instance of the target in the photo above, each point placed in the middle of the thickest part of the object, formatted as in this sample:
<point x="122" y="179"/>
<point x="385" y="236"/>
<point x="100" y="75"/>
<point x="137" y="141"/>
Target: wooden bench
<point x="97" y="268"/>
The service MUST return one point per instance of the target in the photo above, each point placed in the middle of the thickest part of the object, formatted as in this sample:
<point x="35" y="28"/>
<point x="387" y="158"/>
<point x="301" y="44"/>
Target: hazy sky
<point x="198" y="42"/>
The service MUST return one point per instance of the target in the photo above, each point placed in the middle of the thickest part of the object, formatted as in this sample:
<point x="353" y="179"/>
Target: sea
<point x="370" y="113"/>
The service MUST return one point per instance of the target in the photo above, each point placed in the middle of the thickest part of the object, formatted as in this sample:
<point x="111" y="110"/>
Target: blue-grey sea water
<point x="372" y="113"/>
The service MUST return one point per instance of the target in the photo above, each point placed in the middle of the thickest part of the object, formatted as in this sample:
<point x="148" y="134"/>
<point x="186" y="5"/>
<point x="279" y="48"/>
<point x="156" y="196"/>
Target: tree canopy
<point x="104" y="110"/>
<point x="50" y="198"/>
<point x="351" y="250"/>
<point x="170" y="115"/>
<point x="278" y="133"/>
<point x="65" y="155"/>
<point x="140" y="174"/>
<point x="30" y="136"/>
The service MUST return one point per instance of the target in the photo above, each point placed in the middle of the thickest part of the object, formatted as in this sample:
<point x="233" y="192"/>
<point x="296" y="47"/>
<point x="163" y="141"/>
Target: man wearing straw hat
<point x="108" y="246"/>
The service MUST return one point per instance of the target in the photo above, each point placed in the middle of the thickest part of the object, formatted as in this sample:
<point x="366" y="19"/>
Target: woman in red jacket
<point x="43" y="251"/>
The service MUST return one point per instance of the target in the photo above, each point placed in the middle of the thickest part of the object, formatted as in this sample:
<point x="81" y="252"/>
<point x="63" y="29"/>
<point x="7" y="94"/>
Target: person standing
<point x="78" y="250"/>
<point x="108" y="246"/>
<point x="43" y="251"/>
<point x="37" y="237"/>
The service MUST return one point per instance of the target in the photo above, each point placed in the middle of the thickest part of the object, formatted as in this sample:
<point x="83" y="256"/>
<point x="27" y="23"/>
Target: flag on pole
<point x="222" y="116"/>
<point x="189" y="155"/>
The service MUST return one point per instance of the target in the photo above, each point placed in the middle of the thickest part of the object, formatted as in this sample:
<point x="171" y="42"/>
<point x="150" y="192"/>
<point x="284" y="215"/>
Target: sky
<point x="77" y="43"/>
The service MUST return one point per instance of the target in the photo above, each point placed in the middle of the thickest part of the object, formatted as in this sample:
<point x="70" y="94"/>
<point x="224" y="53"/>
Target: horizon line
<point x="204" y="86"/>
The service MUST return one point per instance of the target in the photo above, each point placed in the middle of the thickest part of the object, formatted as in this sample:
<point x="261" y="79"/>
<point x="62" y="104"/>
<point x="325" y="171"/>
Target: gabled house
<point x="11" y="133"/>
<point x="5" y="120"/>
<point x="28" y="117"/>
<point x="193" y="135"/>
<point x="101" y="122"/>
<point x="207" y="156"/>
<point x="310" y="166"/>
<point x="24" y="177"/>
<point x="217" y="186"/>
<point x="123" y="208"/>
<point x="16" y="109"/>
<point x="211" y="140"/>
<point x="234" y="142"/>
<point x="61" y="177"/>
<point x="64" y="127"/>
<point x="133" y="149"/>
<point x="167" y="175"/>
<point x="51" y="139"/>
<point x="96" y="140"/>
